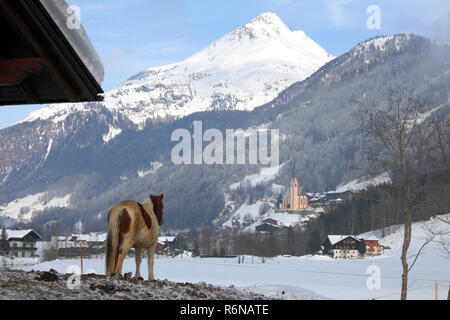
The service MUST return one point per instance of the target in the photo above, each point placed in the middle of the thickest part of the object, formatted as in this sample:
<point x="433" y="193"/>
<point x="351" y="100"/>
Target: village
<point x="295" y="203"/>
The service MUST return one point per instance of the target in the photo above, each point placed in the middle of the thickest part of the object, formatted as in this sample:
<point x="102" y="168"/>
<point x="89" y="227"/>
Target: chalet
<point x="166" y="245"/>
<point x="341" y="246"/>
<point x="93" y="239"/>
<point x="69" y="246"/>
<point x="347" y="246"/>
<point x="42" y="58"/>
<point x="268" y="225"/>
<point x="22" y="243"/>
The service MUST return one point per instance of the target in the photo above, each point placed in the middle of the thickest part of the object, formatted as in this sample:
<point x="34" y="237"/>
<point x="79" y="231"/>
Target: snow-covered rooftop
<point x="60" y="11"/>
<point x="166" y="239"/>
<point x="18" y="233"/>
<point x="336" y="238"/>
<point x="92" y="237"/>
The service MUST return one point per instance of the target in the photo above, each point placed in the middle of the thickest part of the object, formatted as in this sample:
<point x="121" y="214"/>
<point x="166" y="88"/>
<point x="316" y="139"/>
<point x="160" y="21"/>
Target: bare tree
<point x="399" y="143"/>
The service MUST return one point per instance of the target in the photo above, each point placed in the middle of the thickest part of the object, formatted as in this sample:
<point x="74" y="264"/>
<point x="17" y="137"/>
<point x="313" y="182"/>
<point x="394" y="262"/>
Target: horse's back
<point x="131" y="206"/>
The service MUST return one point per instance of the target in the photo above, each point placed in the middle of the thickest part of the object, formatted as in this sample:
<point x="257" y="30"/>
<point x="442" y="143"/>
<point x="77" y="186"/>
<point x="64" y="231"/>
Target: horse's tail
<point x="112" y="243"/>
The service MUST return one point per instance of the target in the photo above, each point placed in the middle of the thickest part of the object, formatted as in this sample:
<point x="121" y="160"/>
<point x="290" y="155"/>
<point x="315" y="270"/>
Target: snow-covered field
<point x="307" y="277"/>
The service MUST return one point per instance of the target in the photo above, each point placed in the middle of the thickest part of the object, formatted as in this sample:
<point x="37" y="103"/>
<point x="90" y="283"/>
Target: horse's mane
<point x="154" y="204"/>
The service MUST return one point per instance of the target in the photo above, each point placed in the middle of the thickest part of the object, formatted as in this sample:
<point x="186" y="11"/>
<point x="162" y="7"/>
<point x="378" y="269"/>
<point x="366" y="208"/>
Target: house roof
<point x="91" y="237"/>
<point x="19" y="234"/>
<point x="268" y="224"/>
<point x="166" y="239"/>
<point x="41" y="59"/>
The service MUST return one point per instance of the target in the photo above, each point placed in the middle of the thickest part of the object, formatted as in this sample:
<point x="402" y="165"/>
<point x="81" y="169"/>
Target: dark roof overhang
<point x="38" y="65"/>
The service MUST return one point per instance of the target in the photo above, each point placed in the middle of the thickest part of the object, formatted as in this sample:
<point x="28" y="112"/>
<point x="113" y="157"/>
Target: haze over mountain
<point x="70" y="163"/>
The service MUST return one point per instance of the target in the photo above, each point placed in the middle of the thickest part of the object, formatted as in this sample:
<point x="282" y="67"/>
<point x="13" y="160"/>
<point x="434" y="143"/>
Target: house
<point x="374" y="248"/>
<point x="93" y="239"/>
<point x="42" y="59"/>
<point x="268" y="225"/>
<point x="333" y="196"/>
<point x="341" y="246"/>
<point x="22" y="243"/>
<point x="69" y="246"/>
<point x="347" y="246"/>
<point x="166" y="245"/>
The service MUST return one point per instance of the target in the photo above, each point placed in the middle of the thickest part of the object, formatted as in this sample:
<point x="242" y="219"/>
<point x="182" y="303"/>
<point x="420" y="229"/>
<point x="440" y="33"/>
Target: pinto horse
<point x="133" y="225"/>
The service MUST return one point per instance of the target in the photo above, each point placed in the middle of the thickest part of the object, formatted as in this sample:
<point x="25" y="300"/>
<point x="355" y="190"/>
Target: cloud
<point x="339" y="13"/>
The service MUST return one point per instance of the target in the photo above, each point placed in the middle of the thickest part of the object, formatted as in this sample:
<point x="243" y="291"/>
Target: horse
<point x="133" y="225"/>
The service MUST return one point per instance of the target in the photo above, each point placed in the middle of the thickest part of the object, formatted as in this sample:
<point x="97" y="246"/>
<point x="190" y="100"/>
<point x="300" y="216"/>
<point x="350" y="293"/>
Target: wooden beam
<point x="28" y="93"/>
<point x="13" y="71"/>
<point x="27" y="35"/>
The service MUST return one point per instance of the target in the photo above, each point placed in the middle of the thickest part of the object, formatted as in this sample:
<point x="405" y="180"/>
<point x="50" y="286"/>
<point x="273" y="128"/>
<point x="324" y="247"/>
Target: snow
<point x="49" y="148"/>
<point x="17" y="262"/>
<point x="362" y="184"/>
<point x="166" y="239"/>
<point x="277" y="188"/>
<point x="246" y="211"/>
<point x="283" y="219"/>
<point x="154" y="166"/>
<point x="91" y="237"/>
<point x="244" y="69"/>
<point x="23" y="209"/>
<point x="306" y="277"/>
<point x="112" y="133"/>
<point x="78" y="38"/>
<point x="380" y="42"/>
<point x="251" y="213"/>
<point x="266" y="175"/>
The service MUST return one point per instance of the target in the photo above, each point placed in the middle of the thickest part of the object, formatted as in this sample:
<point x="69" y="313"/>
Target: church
<point x="293" y="198"/>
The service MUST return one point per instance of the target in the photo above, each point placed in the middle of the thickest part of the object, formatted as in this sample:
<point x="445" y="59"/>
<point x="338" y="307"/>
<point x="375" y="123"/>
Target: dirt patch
<point x="48" y="276"/>
<point x="49" y="285"/>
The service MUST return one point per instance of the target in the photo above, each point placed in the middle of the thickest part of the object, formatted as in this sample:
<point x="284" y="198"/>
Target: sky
<point x="133" y="35"/>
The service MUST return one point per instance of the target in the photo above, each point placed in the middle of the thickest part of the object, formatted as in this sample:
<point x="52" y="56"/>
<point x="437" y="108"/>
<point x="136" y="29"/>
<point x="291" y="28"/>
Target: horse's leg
<point x="138" y="262"/>
<point x="151" y="257"/>
<point x="123" y="250"/>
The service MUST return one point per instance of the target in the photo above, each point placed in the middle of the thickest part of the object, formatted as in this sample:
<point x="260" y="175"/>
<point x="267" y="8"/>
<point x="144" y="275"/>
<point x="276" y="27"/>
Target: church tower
<point x="294" y="200"/>
<point x="294" y="190"/>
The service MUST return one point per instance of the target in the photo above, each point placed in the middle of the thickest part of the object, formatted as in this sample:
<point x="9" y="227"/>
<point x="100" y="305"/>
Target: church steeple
<point x="293" y="170"/>
<point x="296" y="200"/>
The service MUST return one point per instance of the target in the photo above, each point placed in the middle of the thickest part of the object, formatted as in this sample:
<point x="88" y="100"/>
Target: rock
<point x="47" y="276"/>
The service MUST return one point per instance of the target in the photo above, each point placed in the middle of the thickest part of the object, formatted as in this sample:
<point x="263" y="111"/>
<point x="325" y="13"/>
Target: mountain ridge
<point x="313" y="116"/>
<point x="240" y="71"/>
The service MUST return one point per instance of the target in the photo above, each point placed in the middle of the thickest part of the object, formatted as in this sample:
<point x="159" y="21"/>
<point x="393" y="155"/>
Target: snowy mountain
<point x="244" y="69"/>
<point x="73" y="162"/>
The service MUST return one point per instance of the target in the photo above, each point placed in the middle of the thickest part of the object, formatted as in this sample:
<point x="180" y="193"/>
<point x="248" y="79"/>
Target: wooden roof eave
<point x="60" y="58"/>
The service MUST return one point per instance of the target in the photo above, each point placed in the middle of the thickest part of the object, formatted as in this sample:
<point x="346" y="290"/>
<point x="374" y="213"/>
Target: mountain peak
<point x="240" y="71"/>
<point x="266" y="24"/>
<point x="268" y="18"/>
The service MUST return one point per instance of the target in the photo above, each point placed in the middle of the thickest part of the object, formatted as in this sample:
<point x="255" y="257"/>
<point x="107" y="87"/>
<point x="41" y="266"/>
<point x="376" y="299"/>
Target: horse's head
<point x="158" y="207"/>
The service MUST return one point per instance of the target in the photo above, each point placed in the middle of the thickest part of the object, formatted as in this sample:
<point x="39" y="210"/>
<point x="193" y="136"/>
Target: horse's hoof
<point x="127" y="276"/>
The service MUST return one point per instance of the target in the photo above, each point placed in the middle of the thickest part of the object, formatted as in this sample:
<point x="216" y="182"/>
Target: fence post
<point x="81" y="251"/>
<point x="436" y="287"/>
